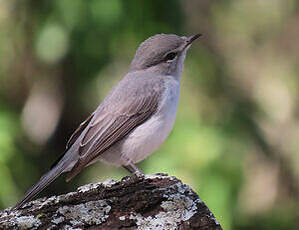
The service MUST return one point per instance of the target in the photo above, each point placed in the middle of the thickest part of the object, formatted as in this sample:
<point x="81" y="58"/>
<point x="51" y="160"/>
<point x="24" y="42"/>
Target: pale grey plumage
<point x="136" y="116"/>
<point x="152" y="51"/>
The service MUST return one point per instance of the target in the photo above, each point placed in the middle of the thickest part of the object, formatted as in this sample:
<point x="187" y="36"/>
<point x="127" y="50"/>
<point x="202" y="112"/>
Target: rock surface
<point x="149" y="202"/>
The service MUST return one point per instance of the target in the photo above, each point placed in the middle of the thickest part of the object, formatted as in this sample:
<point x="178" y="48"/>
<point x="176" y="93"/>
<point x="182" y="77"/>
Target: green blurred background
<point x="235" y="140"/>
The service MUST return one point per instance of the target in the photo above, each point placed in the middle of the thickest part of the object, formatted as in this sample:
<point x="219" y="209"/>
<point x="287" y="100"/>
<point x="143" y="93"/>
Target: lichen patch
<point x="26" y="222"/>
<point x="178" y="208"/>
<point x="107" y="183"/>
<point x="58" y="220"/>
<point x="90" y="213"/>
<point x="122" y="218"/>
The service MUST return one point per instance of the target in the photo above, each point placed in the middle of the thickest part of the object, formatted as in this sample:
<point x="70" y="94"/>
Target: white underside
<point x="148" y="137"/>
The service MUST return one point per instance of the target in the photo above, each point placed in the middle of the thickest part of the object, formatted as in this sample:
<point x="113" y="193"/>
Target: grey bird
<point x="134" y="119"/>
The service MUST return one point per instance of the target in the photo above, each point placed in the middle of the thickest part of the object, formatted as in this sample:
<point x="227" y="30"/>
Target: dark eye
<point x="170" y="56"/>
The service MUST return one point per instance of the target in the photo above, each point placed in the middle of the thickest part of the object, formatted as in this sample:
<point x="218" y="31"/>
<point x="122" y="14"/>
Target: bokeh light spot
<point x="52" y="43"/>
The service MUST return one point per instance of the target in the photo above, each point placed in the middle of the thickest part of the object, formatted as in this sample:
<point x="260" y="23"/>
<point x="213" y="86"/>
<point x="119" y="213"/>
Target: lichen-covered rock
<point x="150" y="202"/>
<point x="91" y="213"/>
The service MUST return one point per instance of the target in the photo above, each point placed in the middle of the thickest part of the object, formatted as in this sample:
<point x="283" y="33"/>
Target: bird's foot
<point x="134" y="170"/>
<point x="138" y="174"/>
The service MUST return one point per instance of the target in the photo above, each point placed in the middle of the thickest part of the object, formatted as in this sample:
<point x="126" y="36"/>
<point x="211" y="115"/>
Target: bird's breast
<point x="149" y="136"/>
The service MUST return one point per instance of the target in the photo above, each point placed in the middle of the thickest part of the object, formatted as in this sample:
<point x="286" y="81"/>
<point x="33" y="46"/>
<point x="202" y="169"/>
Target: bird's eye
<point x="170" y="56"/>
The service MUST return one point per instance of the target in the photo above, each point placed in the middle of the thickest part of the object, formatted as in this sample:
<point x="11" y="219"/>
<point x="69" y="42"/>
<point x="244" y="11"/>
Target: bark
<point x="149" y="202"/>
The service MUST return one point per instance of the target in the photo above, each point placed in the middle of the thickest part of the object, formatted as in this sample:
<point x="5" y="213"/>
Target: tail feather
<point x="44" y="181"/>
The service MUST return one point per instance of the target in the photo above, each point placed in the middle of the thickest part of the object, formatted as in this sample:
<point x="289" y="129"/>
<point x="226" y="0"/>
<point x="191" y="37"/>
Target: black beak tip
<point x="194" y="37"/>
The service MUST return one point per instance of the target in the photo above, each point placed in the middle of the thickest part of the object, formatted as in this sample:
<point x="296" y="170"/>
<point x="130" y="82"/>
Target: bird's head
<point x="162" y="54"/>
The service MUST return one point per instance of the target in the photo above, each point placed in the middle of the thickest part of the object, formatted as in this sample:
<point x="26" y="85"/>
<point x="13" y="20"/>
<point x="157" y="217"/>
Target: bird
<point x="133" y="120"/>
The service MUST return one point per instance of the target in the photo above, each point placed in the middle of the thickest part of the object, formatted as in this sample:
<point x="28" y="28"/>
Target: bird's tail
<point x="44" y="181"/>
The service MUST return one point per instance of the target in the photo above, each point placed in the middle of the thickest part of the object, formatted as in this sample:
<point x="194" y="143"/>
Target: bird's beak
<point x="191" y="39"/>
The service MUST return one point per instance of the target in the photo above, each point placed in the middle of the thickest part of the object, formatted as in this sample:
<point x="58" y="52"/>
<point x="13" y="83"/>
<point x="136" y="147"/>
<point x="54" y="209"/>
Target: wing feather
<point x="114" y="120"/>
<point x="78" y="131"/>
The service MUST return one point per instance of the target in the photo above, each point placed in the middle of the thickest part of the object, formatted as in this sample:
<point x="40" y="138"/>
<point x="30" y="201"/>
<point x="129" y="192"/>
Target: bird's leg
<point x="133" y="169"/>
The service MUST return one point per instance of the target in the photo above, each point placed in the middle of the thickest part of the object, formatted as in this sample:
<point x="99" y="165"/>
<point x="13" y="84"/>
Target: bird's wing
<point x="119" y="114"/>
<point x="78" y="131"/>
<point x="73" y="138"/>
